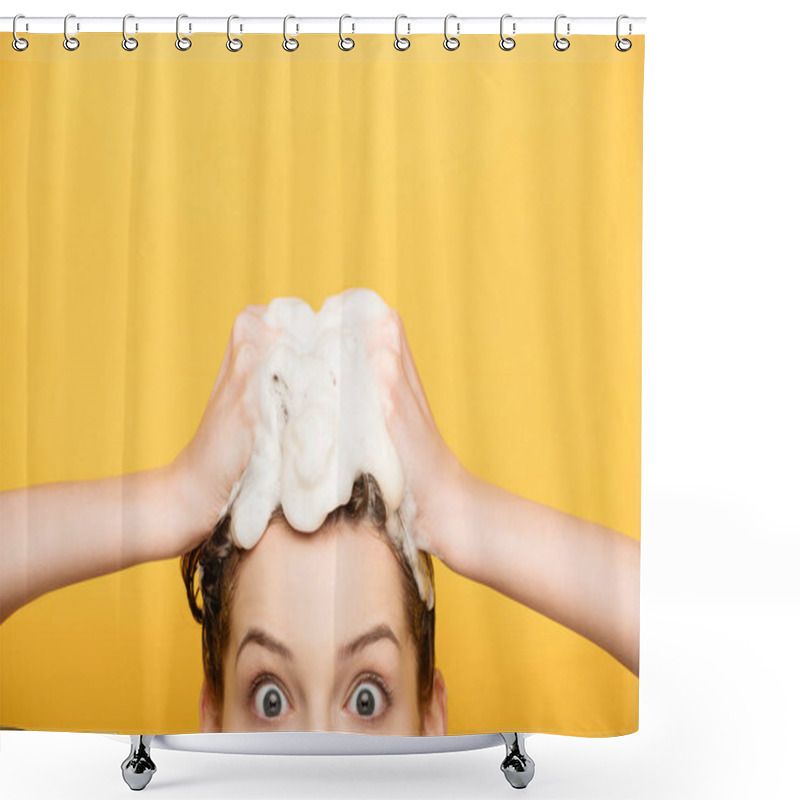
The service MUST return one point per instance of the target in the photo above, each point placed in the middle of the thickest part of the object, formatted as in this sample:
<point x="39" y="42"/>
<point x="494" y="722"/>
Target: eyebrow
<point x="260" y="637"/>
<point x="370" y="637"/>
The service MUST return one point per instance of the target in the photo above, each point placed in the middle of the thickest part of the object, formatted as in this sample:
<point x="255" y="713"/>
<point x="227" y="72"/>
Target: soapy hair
<point x="216" y="561"/>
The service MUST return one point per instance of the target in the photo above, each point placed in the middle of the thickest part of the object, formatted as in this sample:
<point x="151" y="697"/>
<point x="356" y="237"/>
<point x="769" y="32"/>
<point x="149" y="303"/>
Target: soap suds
<point x="321" y="426"/>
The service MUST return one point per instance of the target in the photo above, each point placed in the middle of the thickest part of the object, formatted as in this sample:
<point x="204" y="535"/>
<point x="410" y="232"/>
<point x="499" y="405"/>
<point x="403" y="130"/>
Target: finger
<point x="256" y="309"/>
<point x="263" y="334"/>
<point x="411" y="372"/>
<point x="224" y="366"/>
<point x="244" y="328"/>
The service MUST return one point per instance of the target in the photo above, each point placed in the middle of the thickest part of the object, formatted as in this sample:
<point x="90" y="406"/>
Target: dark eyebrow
<point x="262" y="638"/>
<point x="370" y="637"/>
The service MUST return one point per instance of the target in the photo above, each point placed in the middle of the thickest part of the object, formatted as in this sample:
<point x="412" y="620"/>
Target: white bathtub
<point x="138" y="768"/>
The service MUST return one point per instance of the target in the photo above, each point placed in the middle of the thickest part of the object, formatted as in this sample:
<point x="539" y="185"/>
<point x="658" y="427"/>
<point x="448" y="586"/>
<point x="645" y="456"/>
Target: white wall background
<point x="719" y="696"/>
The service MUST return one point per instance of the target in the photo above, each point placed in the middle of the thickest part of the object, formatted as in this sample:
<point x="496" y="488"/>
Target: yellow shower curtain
<point x="492" y="198"/>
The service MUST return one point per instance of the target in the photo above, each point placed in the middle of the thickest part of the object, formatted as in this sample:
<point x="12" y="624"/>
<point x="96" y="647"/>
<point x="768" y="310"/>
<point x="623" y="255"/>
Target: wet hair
<point x="216" y="561"/>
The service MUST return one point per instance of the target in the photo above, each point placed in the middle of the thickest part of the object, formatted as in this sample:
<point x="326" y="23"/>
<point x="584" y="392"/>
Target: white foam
<point x="322" y="425"/>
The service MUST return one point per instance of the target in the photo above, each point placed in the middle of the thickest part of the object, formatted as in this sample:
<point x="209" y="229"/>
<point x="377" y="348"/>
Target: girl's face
<point x="319" y="640"/>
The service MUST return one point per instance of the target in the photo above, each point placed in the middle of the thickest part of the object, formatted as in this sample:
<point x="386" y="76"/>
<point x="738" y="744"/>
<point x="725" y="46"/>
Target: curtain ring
<point x="233" y="44"/>
<point x="623" y="48"/>
<point x="70" y="42"/>
<point x="506" y="42"/>
<point x="128" y="42"/>
<point x="345" y="42"/>
<point x="18" y="43"/>
<point x="560" y="44"/>
<point x="400" y="42"/>
<point x="289" y="43"/>
<point x="182" y="42"/>
<point x="450" y="42"/>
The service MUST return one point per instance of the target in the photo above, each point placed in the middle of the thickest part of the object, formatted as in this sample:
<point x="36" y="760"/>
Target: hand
<point x="433" y="474"/>
<point x="210" y="465"/>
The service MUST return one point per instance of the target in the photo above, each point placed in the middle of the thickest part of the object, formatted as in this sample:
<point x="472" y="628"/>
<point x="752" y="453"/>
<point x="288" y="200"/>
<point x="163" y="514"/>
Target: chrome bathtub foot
<point x="138" y="767"/>
<point x="517" y="766"/>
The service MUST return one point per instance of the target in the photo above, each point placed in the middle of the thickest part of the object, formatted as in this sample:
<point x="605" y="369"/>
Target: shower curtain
<point x="163" y="210"/>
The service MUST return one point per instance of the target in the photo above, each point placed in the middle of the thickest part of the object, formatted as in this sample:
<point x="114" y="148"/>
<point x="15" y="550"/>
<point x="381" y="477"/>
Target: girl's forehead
<point x="314" y="587"/>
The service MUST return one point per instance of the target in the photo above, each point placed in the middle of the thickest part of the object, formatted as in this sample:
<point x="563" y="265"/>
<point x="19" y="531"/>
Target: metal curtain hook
<point x="623" y="45"/>
<point x="451" y="42"/>
<point x="289" y="43"/>
<point x="70" y="42"/>
<point x="400" y="42"/>
<point x="560" y="42"/>
<point x="182" y="42"/>
<point x="18" y="43"/>
<point x="345" y="42"/>
<point x="128" y="42"/>
<point x="233" y="44"/>
<point x="506" y="42"/>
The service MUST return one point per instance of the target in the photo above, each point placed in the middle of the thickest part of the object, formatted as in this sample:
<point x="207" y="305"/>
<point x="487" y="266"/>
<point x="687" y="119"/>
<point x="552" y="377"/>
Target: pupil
<point x="272" y="703"/>
<point x="365" y="702"/>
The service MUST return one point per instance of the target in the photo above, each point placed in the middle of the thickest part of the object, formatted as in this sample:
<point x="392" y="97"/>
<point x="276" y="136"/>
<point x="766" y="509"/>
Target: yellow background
<point x="493" y="198"/>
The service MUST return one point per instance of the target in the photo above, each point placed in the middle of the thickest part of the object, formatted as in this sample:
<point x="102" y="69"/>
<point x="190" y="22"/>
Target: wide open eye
<point x="368" y="700"/>
<point x="270" y="701"/>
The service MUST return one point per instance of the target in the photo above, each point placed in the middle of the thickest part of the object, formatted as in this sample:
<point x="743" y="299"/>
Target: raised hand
<point x="433" y="474"/>
<point x="213" y="461"/>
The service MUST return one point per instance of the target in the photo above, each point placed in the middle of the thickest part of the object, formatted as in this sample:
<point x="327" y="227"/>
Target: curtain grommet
<point x="401" y="42"/>
<point x="507" y="42"/>
<point x="233" y="44"/>
<point x="290" y="44"/>
<point x="346" y="43"/>
<point x="71" y="43"/>
<point x="17" y="42"/>
<point x="129" y="43"/>
<point x="451" y="42"/>
<point x="182" y="42"/>
<point x="561" y="43"/>
<point x="622" y="44"/>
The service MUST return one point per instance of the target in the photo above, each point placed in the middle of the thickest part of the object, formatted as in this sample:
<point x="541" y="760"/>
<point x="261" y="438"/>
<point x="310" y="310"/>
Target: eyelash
<point x="263" y="677"/>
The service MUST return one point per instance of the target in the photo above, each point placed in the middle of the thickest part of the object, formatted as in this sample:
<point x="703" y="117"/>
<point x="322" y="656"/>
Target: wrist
<point x="453" y="530"/>
<point x="185" y="516"/>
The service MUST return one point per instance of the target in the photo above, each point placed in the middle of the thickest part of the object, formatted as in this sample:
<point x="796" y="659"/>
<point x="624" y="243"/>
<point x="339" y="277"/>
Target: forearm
<point x="55" y="534"/>
<point x="576" y="572"/>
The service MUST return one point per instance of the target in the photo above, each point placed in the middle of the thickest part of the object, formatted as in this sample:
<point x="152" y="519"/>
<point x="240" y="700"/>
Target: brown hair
<point x="218" y="558"/>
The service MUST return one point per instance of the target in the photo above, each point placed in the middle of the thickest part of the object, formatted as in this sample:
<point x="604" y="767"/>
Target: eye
<point x="269" y="699"/>
<point x="369" y="699"/>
